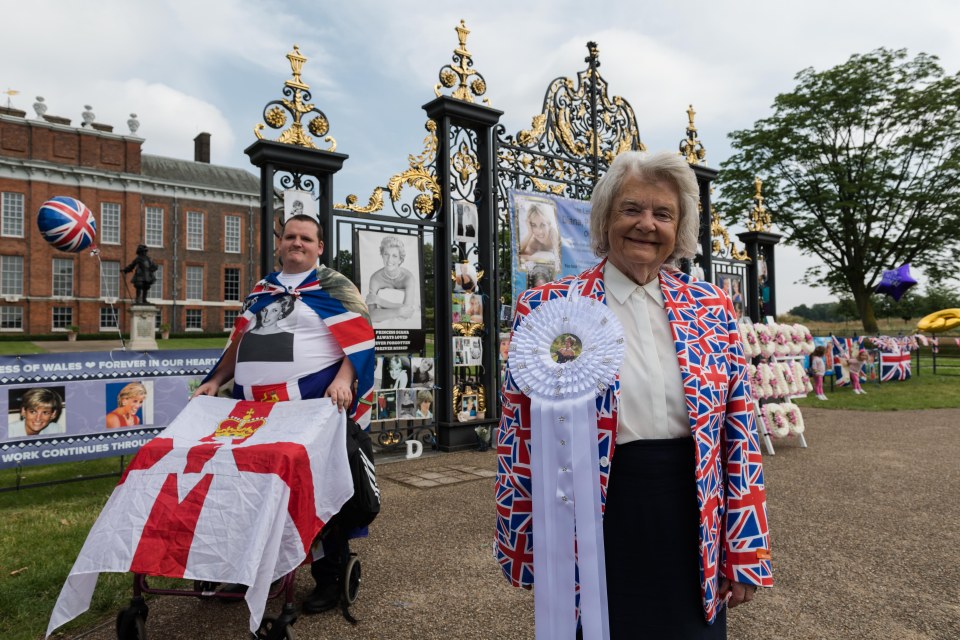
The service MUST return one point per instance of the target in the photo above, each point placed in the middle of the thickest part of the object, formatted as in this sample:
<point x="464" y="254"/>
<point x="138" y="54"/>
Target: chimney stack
<point x="201" y="148"/>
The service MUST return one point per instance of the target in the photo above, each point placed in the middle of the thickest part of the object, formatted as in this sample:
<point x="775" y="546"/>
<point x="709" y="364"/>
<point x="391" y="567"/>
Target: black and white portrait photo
<point x="407" y="403"/>
<point x="299" y="203"/>
<point x="423" y="375"/>
<point x="271" y="337"/>
<point x="465" y="228"/>
<point x="396" y="372"/>
<point x="389" y="273"/>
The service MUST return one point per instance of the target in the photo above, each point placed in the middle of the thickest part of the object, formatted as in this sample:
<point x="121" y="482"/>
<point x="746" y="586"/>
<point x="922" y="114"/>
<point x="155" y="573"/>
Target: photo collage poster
<point x="403" y="388"/>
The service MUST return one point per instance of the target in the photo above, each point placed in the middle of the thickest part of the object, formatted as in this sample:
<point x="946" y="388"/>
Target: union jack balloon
<point x="67" y="224"/>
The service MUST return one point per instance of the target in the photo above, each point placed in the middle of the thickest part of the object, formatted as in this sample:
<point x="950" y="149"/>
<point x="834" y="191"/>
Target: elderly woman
<point x="682" y="494"/>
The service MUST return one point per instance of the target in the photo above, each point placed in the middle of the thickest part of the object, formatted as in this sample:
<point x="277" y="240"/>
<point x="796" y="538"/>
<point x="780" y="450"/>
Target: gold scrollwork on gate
<point x="578" y="122"/>
<point x="297" y="104"/>
<point x="471" y="81"/>
<point x="465" y="162"/>
<point x="721" y="239"/>
<point x="421" y="176"/>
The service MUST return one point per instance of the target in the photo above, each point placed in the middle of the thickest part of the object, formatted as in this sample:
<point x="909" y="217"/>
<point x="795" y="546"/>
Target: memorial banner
<point x="551" y="238"/>
<point x="78" y="406"/>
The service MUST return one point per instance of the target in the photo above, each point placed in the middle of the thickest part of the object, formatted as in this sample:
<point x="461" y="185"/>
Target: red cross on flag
<point x="231" y="491"/>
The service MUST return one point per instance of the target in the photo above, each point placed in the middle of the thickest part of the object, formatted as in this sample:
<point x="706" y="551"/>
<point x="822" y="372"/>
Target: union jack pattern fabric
<point x="336" y="300"/>
<point x="842" y="348"/>
<point x="895" y="366"/>
<point x="67" y="224"/>
<point x="730" y="491"/>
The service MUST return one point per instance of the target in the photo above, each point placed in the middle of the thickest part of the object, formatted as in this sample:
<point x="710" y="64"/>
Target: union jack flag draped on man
<point x="338" y="303"/>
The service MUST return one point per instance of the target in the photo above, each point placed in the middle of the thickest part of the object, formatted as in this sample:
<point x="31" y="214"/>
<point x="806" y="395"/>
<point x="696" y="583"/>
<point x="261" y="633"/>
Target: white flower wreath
<point x="793" y="417"/>
<point x="777" y="422"/>
<point x="597" y="340"/>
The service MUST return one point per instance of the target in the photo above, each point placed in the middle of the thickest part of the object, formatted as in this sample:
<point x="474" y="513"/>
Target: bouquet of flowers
<point x="794" y="418"/>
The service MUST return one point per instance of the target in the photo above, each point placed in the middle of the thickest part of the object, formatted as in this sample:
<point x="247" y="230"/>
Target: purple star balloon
<point x="895" y="282"/>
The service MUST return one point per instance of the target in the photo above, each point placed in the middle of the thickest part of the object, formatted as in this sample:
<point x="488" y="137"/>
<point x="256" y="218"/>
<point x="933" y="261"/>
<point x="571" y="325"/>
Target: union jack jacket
<point x="734" y="540"/>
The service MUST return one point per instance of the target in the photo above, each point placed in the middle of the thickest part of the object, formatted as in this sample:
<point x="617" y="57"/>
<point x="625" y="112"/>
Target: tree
<point x="860" y="165"/>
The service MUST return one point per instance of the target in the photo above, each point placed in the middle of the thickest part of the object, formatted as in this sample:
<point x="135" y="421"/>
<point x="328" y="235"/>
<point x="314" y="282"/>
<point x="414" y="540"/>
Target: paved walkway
<point x="865" y="522"/>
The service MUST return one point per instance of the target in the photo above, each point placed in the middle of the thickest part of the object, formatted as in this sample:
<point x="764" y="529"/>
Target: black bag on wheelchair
<point x="361" y="509"/>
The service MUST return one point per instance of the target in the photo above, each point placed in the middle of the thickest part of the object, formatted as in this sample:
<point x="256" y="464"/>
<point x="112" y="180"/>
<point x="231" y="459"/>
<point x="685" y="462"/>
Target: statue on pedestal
<point x="144" y="270"/>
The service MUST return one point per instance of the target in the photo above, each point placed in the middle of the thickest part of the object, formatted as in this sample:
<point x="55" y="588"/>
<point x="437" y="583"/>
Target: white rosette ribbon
<point x="564" y="458"/>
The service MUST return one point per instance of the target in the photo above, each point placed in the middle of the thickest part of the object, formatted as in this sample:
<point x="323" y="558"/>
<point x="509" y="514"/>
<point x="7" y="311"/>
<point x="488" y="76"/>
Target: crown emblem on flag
<point x="243" y="427"/>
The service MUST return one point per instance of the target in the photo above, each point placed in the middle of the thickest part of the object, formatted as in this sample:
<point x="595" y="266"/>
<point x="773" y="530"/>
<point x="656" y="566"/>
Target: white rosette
<point x="564" y="457"/>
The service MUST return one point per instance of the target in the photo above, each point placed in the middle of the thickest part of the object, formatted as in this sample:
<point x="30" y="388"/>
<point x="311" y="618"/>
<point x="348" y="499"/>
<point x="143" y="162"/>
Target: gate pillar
<point x="452" y="114"/>
<point x="296" y="157"/>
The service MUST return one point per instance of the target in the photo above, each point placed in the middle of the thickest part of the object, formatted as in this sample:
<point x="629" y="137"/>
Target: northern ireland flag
<point x="894" y="366"/>
<point x="231" y="491"/>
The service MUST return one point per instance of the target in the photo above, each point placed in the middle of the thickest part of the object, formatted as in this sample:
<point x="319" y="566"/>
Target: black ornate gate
<point x="451" y="205"/>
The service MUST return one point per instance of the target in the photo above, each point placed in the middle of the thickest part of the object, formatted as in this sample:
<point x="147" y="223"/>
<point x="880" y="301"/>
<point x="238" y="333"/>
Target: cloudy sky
<point x="210" y="65"/>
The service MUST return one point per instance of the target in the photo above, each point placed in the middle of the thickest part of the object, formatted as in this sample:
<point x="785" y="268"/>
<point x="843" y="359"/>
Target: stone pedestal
<point x="143" y="328"/>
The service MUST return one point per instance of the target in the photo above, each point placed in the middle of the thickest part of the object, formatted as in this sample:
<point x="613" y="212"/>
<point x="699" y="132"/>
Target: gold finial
<point x="462" y="33"/>
<point x="296" y="67"/>
<point x="10" y="93"/>
<point x="691" y="147"/>
<point x="297" y="104"/>
<point x="461" y="70"/>
<point x="759" y="217"/>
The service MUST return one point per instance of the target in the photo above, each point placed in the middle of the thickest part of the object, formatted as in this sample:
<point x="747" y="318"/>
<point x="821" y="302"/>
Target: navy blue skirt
<point x="651" y="542"/>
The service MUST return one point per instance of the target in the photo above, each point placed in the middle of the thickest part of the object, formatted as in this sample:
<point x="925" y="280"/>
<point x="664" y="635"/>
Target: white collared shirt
<point x="652" y="401"/>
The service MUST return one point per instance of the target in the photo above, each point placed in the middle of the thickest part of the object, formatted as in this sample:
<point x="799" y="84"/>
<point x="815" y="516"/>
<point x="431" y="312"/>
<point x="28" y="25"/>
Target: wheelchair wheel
<point x="131" y="624"/>
<point x="270" y="629"/>
<point x="351" y="579"/>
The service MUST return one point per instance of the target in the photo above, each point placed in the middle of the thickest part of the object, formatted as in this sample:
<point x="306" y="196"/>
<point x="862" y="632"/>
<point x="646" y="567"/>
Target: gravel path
<point x="865" y="527"/>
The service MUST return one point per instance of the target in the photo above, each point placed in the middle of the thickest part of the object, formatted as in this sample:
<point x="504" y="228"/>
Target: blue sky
<point x="211" y="65"/>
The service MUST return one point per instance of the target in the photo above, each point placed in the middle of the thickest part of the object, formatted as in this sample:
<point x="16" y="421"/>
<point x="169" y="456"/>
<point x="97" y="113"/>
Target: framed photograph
<point x="538" y="232"/>
<point x="407" y="404"/>
<point x="386" y="405"/>
<point x="396" y="372"/>
<point x="299" y="203"/>
<point x="37" y="411"/>
<point x="468" y="407"/>
<point x="465" y="223"/>
<point x="425" y="400"/>
<point x="423" y="372"/>
<point x="733" y="285"/>
<point x="473" y="308"/>
<point x="390" y="277"/>
<point x="465" y="278"/>
<point x="473" y="351"/>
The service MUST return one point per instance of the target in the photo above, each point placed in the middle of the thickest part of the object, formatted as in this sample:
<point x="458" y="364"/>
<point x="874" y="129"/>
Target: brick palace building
<point x="200" y="222"/>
